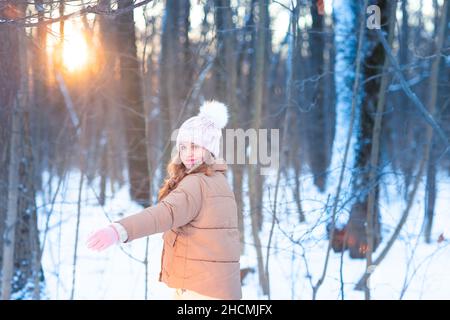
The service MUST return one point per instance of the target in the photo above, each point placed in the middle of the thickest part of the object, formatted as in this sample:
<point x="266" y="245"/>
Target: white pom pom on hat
<point x="216" y="111"/>
<point x="205" y="129"/>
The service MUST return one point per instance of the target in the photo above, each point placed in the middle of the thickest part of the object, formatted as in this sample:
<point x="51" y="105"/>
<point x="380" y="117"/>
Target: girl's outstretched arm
<point x="178" y="208"/>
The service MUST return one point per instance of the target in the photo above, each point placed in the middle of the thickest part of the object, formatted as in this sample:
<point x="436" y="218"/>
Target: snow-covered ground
<point x="411" y="266"/>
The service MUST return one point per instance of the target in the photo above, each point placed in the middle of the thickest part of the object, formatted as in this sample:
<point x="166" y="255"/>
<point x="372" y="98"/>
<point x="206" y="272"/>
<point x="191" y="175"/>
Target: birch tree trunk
<point x="357" y="241"/>
<point x="9" y="236"/>
<point x="16" y="250"/>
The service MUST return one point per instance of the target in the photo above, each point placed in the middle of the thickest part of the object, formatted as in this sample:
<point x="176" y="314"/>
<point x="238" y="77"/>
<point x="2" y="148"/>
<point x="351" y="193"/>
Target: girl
<point x="197" y="212"/>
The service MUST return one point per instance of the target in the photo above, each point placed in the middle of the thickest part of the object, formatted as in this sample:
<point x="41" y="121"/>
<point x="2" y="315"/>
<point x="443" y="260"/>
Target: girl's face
<point x="192" y="154"/>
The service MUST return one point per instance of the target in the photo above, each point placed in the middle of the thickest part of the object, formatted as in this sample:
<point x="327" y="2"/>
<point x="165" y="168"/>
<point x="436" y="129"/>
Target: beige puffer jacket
<point x="201" y="237"/>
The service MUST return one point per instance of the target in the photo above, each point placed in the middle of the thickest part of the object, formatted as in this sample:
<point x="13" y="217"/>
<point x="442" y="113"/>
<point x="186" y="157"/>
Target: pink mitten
<point x="103" y="238"/>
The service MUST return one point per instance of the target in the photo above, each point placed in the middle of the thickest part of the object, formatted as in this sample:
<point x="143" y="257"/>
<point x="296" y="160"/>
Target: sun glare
<point x="75" y="51"/>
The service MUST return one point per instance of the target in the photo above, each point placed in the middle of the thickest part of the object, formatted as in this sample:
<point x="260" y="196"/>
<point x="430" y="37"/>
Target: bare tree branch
<point x="95" y="9"/>
<point x="406" y="88"/>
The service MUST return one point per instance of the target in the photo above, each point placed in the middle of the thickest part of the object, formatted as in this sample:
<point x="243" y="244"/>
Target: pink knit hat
<point x="205" y="129"/>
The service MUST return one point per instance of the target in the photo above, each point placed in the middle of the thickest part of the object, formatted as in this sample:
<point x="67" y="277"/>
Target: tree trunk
<point x="186" y="69"/>
<point x="29" y="273"/>
<point x="9" y="236"/>
<point x="18" y="225"/>
<point x="406" y="160"/>
<point x="167" y="80"/>
<point x="226" y="87"/>
<point x="376" y="145"/>
<point x="253" y="172"/>
<point x="318" y="142"/>
<point x="9" y="86"/>
<point x="20" y="259"/>
<point x="133" y="106"/>
<point x="107" y="117"/>
<point x="430" y="195"/>
<point x="40" y="85"/>
<point x="286" y="125"/>
<point x="357" y="241"/>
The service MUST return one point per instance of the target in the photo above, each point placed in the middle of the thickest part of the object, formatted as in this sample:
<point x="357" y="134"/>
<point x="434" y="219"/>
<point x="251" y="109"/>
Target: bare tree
<point x="167" y="78"/>
<point x="336" y="240"/>
<point x="20" y="257"/>
<point x="226" y="90"/>
<point x="376" y="145"/>
<point x="357" y="241"/>
<point x="430" y="195"/>
<point x="253" y="180"/>
<point x="290" y="66"/>
<point x="133" y="106"/>
<point x="9" y="235"/>
<point x="319" y="119"/>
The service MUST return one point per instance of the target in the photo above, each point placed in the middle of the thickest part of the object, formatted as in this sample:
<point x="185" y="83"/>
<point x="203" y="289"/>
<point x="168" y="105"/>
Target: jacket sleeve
<point x="178" y="208"/>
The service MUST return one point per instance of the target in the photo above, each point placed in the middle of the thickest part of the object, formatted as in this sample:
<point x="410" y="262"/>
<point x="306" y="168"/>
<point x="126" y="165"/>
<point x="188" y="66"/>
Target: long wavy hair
<point x="176" y="171"/>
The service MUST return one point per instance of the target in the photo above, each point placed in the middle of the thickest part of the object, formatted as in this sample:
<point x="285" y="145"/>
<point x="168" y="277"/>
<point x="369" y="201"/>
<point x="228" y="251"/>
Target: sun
<point x="75" y="50"/>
